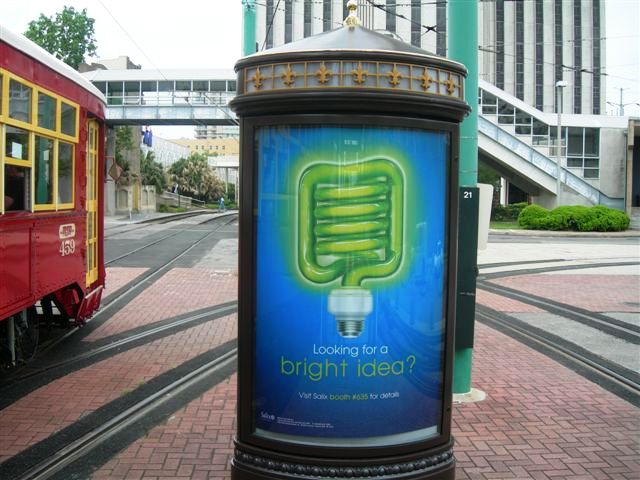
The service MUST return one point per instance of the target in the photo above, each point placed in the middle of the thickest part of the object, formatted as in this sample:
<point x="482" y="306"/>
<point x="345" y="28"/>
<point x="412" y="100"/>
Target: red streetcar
<point x="51" y="194"/>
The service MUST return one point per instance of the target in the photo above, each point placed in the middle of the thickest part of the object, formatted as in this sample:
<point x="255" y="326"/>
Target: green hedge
<point x="507" y="213"/>
<point x="577" y="218"/>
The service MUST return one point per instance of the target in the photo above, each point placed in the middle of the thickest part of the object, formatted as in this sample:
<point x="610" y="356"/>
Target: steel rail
<point x="611" y="326"/>
<point x="534" y="271"/>
<point x="629" y="385"/>
<point x="83" y="445"/>
<point x="216" y="312"/>
<point x="160" y="220"/>
<point x="171" y="235"/>
<point x="136" y="288"/>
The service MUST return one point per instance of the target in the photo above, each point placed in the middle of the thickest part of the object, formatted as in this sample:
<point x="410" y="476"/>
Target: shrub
<point x="603" y="219"/>
<point x="506" y="213"/>
<point x="163" y="208"/>
<point x="531" y="216"/>
<point x="576" y="217"/>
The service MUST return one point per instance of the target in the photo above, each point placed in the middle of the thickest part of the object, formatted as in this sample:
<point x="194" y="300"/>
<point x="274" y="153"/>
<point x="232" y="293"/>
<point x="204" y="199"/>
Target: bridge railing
<point x="156" y="99"/>
<point x="544" y="163"/>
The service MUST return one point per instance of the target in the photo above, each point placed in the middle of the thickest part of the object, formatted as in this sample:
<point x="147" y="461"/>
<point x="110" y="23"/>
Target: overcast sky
<point x="208" y="34"/>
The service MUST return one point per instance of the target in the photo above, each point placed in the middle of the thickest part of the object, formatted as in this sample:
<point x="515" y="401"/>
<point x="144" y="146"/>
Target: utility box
<point x="348" y="240"/>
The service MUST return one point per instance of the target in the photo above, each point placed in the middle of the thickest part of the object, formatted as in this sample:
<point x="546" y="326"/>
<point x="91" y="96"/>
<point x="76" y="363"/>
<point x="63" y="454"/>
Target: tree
<point x="152" y="172"/>
<point x="69" y="36"/>
<point x="124" y="142"/>
<point x="231" y="192"/>
<point x="194" y="176"/>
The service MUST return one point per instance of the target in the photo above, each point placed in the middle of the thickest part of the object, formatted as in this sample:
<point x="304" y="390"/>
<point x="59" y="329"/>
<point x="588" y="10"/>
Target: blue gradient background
<point x="408" y="313"/>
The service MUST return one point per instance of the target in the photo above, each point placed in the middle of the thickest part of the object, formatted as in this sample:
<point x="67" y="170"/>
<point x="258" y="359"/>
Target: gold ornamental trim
<point x="353" y="74"/>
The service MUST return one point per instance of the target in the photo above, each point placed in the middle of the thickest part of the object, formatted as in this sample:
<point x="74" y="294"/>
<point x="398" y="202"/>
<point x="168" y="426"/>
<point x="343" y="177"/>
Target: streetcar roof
<point x="39" y="54"/>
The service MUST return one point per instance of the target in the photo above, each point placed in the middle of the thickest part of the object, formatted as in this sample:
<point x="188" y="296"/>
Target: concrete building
<point x="211" y="146"/>
<point x="227" y="168"/>
<point x="120" y="63"/>
<point x="217" y="131"/>
<point x="166" y="152"/>
<point x="525" y="48"/>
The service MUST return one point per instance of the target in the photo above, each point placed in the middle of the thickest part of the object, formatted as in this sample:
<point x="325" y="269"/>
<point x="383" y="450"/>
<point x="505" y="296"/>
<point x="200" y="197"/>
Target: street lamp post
<point x="560" y="84"/>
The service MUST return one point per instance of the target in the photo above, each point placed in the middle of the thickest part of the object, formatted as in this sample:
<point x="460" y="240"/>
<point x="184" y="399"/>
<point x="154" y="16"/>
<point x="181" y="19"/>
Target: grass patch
<point x="505" y="225"/>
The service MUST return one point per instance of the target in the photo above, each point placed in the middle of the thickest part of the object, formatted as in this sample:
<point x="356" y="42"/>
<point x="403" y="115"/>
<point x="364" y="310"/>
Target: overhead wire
<point x="565" y="67"/>
<point x="428" y="28"/>
<point x="298" y="14"/>
<point x="270" y="26"/>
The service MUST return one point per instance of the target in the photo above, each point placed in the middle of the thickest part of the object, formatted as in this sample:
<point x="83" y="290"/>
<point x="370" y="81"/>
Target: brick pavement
<point x="63" y="401"/>
<point x="195" y="443"/>
<point x="503" y="304"/>
<point x="117" y="277"/>
<point x="540" y="421"/>
<point x="597" y="293"/>
<point x="179" y="291"/>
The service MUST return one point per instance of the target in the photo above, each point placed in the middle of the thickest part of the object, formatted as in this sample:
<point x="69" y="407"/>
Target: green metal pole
<point x="462" y="30"/>
<point x="249" y="25"/>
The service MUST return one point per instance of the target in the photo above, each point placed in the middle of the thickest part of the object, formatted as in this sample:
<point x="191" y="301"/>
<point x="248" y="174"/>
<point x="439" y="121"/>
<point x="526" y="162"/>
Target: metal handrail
<point x="544" y="163"/>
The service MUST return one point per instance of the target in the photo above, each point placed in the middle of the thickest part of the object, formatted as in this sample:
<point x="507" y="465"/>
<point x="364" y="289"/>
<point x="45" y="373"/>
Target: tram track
<point x="611" y="326"/>
<point x="33" y="377"/>
<point x="72" y="339"/>
<point x="121" y="229"/>
<point x="148" y="277"/>
<point x="556" y="268"/>
<point x="611" y="376"/>
<point x="224" y="218"/>
<point x="78" y="449"/>
<point x="617" y="378"/>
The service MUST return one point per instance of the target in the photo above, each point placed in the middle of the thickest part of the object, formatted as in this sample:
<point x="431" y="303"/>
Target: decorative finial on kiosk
<point x="352" y="20"/>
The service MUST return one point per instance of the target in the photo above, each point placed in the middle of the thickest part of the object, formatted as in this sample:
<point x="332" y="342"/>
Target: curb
<point x="554" y="233"/>
<point x="113" y="219"/>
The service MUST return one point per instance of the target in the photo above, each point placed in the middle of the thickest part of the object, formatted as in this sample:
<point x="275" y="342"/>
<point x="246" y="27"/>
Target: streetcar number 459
<point x="67" y="247"/>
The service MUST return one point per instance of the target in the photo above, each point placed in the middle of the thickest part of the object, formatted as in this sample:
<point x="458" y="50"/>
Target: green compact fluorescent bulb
<point x="350" y="227"/>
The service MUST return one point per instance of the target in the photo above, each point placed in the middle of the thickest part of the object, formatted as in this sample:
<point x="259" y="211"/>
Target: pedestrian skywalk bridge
<point x="514" y="138"/>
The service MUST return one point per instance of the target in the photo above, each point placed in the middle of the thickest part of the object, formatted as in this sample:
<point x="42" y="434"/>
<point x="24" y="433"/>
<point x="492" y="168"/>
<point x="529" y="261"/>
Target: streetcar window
<point x="16" y="143"/>
<point x="16" y="188"/>
<point x="19" y="101"/>
<point x="65" y="172"/>
<point x="44" y="171"/>
<point x="68" y="120"/>
<point x="46" y="111"/>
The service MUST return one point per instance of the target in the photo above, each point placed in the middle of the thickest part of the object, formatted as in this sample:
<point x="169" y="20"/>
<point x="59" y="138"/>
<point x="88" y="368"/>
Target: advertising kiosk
<point x="348" y="240"/>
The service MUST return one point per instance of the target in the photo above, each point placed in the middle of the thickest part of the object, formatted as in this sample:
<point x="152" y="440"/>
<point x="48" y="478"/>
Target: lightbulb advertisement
<point x="351" y="265"/>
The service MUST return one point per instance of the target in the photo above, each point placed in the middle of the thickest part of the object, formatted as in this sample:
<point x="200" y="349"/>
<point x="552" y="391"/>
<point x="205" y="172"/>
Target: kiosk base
<point x="257" y="464"/>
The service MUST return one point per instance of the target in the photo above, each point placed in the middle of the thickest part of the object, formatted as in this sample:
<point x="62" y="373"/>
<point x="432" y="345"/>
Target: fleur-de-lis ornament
<point x="425" y="80"/>
<point x="257" y="79"/>
<point x="394" y="76"/>
<point x="323" y="74"/>
<point x="360" y="75"/>
<point x="289" y="77"/>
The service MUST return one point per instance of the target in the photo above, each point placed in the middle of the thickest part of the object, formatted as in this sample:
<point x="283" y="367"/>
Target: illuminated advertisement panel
<point x="351" y="264"/>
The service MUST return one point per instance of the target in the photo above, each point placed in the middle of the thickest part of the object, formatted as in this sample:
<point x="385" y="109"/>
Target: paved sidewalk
<point x="539" y="421"/>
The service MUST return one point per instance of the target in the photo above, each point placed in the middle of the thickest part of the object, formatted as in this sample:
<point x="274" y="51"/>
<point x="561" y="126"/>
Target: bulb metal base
<point x="350" y="306"/>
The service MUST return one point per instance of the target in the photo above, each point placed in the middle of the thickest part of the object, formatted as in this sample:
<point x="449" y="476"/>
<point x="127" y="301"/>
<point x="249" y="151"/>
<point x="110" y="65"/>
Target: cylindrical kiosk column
<point x="348" y="238"/>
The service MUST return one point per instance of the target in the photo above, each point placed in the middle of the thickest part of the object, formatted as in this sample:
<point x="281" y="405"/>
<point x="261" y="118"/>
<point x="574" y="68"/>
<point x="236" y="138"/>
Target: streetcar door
<point x="92" y="201"/>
